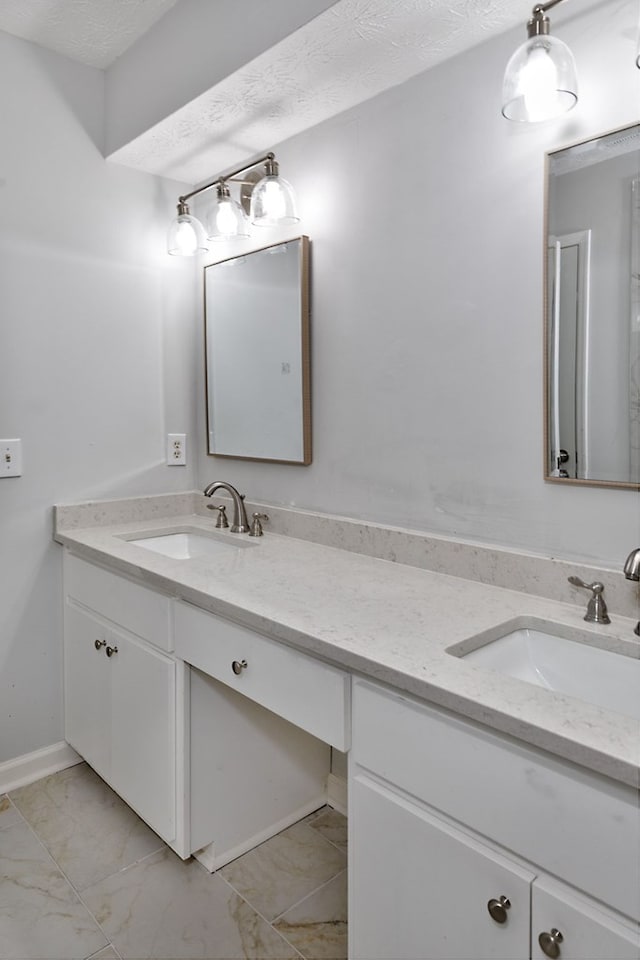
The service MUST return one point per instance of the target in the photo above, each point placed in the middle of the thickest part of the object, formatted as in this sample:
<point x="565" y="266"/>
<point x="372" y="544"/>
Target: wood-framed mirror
<point x="592" y="312"/>
<point x="257" y="354"/>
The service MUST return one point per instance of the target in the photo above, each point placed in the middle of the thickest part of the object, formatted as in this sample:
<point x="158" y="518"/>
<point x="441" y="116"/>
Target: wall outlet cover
<point x="176" y="449"/>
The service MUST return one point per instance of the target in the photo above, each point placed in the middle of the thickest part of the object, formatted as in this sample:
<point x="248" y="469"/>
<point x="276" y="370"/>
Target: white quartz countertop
<point x="386" y="621"/>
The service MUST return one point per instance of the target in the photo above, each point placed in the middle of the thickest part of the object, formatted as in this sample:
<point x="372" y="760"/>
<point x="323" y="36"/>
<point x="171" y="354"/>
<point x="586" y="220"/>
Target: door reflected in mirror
<point x="257" y="354"/>
<point x="592" y="311"/>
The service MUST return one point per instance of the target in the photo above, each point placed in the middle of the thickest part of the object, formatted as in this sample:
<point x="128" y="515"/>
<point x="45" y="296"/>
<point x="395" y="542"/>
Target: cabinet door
<point x="419" y="889"/>
<point x="143" y="731"/>
<point x="87" y="694"/>
<point x="586" y="931"/>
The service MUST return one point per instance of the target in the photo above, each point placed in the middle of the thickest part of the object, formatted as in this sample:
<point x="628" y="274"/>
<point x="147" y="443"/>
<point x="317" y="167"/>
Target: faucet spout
<point x="240" y="523"/>
<point x="632" y="565"/>
<point x="632" y="572"/>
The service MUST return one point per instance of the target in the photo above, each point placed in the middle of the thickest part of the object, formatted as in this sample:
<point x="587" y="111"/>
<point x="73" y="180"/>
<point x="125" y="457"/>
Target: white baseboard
<point x="33" y="766"/>
<point x="337" y="793"/>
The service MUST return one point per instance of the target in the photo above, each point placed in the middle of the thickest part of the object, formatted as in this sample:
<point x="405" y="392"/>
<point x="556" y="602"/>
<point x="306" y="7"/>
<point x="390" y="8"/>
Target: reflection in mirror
<point x="257" y="354"/>
<point x="592" y="307"/>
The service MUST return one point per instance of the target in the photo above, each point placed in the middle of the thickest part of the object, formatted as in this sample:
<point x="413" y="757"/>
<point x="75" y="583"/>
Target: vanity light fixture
<point x="272" y="205"/>
<point x="540" y="80"/>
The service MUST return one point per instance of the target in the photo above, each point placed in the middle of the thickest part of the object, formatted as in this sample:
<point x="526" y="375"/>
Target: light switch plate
<point x="10" y="458"/>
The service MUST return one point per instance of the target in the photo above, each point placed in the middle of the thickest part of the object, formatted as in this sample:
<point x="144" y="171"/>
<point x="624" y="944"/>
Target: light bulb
<point x="226" y="223"/>
<point x="227" y="218"/>
<point x="273" y="202"/>
<point x="539" y="84"/>
<point x="186" y="240"/>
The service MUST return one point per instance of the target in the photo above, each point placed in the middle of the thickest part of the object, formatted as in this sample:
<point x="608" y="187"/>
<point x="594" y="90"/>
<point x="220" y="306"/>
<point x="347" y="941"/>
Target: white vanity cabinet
<point x="120" y="688"/>
<point x="446" y="819"/>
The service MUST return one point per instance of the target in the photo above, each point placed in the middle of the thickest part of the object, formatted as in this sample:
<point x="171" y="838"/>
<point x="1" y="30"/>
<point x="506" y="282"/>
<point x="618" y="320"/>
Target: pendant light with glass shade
<point x="272" y="204"/>
<point x="272" y="200"/>
<point x="227" y="220"/>
<point x="186" y="235"/>
<point x="540" y="80"/>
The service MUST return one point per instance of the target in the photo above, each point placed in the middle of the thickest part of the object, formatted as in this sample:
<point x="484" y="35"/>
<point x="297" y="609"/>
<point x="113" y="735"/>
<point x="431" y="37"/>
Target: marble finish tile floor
<point x="82" y="877"/>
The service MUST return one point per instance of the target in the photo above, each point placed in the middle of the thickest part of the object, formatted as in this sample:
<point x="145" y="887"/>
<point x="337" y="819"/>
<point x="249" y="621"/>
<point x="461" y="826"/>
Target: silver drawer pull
<point x="238" y="666"/>
<point x="550" y="943"/>
<point x="498" y="909"/>
<point x="110" y="651"/>
<point x="98" y="644"/>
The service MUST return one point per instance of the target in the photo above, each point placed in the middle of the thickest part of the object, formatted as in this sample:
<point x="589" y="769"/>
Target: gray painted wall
<point x="96" y="342"/>
<point x="425" y="210"/>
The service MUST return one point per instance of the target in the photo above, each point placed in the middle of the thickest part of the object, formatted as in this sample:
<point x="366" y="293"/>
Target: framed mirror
<point x="592" y="312"/>
<point x="257" y="354"/>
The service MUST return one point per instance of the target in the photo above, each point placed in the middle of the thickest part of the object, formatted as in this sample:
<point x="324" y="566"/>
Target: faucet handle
<point x="596" y="608"/>
<point x="256" y="526"/>
<point x="221" y="522"/>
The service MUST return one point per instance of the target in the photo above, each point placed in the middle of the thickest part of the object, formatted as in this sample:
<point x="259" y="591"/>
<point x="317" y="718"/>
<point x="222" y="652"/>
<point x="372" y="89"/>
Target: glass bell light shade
<point x="228" y="220"/>
<point x="186" y="236"/>
<point x="540" y="81"/>
<point x="273" y="200"/>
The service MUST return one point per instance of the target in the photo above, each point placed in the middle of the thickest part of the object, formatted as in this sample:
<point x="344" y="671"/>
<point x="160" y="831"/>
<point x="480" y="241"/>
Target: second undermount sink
<point x="192" y="545"/>
<point x="601" y="677"/>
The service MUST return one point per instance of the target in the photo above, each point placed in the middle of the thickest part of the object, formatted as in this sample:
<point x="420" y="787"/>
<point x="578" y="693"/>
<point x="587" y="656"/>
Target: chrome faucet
<point x="632" y="572"/>
<point x="240" y="523"/>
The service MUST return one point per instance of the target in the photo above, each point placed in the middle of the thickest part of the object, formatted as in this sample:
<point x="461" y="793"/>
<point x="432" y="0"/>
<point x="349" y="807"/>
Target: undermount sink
<point x="601" y="677"/>
<point x="188" y="545"/>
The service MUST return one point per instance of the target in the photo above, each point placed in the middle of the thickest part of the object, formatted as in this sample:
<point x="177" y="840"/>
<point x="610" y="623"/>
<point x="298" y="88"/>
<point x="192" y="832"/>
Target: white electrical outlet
<point x="176" y="449"/>
<point x="10" y="458"/>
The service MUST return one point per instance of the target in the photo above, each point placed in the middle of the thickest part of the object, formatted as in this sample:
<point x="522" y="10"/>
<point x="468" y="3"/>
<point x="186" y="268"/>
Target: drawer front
<point x="140" y="610"/>
<point x="569" y="822"/>
<point x="308" y="693"/>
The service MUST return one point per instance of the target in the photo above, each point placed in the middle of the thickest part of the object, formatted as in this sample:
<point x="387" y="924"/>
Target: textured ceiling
<point x="349" y="53"/>
<point x="346" y="55"/>
<point x="93" y="32"/>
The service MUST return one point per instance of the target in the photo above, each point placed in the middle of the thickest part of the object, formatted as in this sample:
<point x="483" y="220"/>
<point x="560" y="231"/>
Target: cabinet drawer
<point x="569" y="822"/>
<point x="308" y="693"/>
<point x="140" y="610"/>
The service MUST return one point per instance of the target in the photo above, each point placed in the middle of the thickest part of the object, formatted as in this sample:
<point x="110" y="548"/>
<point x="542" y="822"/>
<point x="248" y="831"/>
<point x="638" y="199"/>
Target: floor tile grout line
<point x="310" y="823"/>
<point x="308" y="895"/>
<point x="78" y="892"/>
<point x="257" y="912"/>
<point x="22" y="818"/>
<point x="342" y="849"/>
<point x="70" y="884"/>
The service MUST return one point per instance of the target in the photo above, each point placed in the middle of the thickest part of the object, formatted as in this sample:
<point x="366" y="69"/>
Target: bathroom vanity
<point x="487" y="817"/>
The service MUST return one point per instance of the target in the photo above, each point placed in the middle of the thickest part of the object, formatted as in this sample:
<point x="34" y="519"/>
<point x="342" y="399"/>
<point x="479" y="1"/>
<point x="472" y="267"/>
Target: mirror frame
<point x="305" y="347"/>
<point x="574" y="481"/>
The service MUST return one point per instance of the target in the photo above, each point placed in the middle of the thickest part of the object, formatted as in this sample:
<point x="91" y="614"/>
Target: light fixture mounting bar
<point x="539" y="24"/>
<point x="268" y="157"/>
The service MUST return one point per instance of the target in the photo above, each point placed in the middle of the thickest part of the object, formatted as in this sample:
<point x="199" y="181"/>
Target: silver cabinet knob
<point x="550" y="943"/>
<point x="98" y="644"/>
<point x="110" y="651"/>
<point x="238" y="666"/>
<point x="498" y="909"/>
